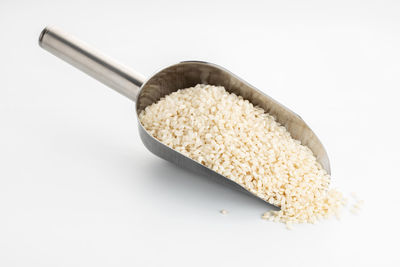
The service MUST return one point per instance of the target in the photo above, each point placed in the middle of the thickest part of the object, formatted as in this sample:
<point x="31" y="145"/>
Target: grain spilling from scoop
<point x="241" y="141"/>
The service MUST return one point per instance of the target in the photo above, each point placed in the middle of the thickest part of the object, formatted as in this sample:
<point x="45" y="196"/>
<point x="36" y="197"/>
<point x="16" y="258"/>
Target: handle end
<point x="41" y="36"/>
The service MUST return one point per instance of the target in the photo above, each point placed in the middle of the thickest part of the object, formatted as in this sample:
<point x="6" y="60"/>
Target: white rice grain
<point x="241" y="141"/>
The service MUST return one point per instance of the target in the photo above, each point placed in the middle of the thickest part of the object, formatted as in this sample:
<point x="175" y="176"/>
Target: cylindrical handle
<point x="92" y="62"/>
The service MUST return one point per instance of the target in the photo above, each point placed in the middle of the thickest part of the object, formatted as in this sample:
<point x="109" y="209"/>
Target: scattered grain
<point x="224" y="212"/>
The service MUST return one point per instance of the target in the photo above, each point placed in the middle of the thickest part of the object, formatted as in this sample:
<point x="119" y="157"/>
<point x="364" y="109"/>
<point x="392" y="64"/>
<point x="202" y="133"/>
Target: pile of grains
<point x="247" y="145"/>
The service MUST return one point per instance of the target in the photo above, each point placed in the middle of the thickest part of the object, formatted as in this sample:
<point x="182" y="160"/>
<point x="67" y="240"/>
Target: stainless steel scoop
<point x="181" y="75"/>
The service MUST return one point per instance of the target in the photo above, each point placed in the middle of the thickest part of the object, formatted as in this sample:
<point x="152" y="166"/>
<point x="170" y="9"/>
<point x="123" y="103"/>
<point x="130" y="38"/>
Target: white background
<point x="77" y="187"/>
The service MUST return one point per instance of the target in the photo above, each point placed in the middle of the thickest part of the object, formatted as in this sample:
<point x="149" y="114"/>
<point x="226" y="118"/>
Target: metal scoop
<point x="167" y="80"/>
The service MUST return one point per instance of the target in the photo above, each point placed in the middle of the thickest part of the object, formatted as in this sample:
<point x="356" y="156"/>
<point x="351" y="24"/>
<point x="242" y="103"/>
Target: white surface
<point x="77" y="187"/>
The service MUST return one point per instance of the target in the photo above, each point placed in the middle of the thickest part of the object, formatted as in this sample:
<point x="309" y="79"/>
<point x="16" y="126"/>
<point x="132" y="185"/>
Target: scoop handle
<point x="77" y="53"/>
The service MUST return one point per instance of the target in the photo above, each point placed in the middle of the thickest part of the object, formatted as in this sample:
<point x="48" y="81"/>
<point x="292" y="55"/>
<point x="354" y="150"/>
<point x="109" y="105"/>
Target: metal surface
<point x="115" y="75"/>
<point x="168" y="80"/>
